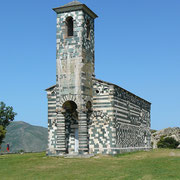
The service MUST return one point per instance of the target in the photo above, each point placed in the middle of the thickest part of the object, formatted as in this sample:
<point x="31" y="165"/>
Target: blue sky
<point x="137" y="46"/>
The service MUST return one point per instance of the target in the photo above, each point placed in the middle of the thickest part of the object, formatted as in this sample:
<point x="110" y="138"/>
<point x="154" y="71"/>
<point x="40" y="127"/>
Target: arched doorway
<point x="71" y="127"/>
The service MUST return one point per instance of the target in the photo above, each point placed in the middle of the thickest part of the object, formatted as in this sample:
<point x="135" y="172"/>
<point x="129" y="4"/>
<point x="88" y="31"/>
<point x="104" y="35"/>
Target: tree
<point x="6" y="116"/>
<point x="2" y="134"/>
<point x="167" y="142"/>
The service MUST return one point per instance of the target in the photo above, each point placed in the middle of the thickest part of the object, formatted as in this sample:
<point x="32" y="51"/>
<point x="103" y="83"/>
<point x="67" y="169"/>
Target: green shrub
<point x="168" y="142"/>
<point x="21" y="151"/>
<point x="153" y="131"/>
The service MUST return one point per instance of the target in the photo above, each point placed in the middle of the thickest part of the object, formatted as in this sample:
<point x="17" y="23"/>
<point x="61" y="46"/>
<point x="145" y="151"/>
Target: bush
<point x="153" y="131"/>
<point x="167" y="142"/>
<point x="21" y="151"/>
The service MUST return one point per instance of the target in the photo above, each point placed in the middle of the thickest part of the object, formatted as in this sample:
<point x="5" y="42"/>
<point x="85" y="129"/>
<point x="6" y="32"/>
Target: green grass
<point x="157" y="164"/>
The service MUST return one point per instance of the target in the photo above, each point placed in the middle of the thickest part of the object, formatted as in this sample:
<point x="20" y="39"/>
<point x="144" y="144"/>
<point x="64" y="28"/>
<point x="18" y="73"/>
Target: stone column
<point x="61" y="141"/>
<point x="83" y="132"/>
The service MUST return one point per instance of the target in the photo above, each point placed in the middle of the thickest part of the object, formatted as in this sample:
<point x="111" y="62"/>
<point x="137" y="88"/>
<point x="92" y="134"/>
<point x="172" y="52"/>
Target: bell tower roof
<point x="74" y="6"/>
<point x="73" y="3"/>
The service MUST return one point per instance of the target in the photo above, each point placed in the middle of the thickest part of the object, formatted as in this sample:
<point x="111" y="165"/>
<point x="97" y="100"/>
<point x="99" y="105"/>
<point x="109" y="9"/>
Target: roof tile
<point x="73" y="3"/>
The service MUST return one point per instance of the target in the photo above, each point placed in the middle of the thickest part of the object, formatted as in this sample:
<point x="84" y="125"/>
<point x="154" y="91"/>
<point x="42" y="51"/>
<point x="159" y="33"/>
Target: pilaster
<point x="60" y="141"/>
<point x="83" y="132"/>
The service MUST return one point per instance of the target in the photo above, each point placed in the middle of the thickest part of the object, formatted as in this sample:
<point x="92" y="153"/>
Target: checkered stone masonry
<point x="118" y="120"/>
<point x="132" y="121"/>
<point x="74" y="71"/>
<point x="52" y="124"/>
<point x="102" y="131"/>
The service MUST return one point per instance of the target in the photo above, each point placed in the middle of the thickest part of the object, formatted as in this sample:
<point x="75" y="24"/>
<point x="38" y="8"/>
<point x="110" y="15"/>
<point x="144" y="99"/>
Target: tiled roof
<point x="73" y="3"/>
<point x="74" y="6"/>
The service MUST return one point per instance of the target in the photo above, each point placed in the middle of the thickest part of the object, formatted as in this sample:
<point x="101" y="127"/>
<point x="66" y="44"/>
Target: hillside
<point x="167" y="132"/>
<point x="26" y="137"/>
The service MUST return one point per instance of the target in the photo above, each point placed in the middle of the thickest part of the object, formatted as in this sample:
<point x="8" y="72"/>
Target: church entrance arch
<point x="71" y="127"/>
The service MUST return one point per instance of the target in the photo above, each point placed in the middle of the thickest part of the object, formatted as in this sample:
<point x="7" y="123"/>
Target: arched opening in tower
<point x="70" y="26"/>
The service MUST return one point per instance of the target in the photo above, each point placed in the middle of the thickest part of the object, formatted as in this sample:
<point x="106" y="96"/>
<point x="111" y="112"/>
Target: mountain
<point x="167" y="132"/>
<point x="26" y="137"/>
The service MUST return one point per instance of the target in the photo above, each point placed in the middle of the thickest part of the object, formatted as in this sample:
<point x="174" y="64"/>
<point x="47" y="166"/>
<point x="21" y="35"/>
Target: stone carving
<point x="132" y="136"/>
<point x="99" y="117"/>
<point x="101" y="88"/>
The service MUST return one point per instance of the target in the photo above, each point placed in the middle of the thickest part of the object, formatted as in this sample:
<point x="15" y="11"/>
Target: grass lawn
<point x="156" y="164"/>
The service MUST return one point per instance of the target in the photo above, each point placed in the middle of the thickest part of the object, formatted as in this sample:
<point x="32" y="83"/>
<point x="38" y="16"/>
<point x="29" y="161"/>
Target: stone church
<point x="87" y="115"/>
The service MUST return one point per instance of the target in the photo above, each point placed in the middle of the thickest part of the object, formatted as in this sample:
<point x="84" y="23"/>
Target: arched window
<point x="88" y="29"/>
<point x="69" y="24"/>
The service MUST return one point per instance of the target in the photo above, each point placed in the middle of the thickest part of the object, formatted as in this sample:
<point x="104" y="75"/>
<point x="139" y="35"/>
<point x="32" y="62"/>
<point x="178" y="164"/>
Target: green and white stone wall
<point x="75" y="57"/>
<point x="132" y="121"/>
<point x="52" y="124"/>
<point x="118" y="120"/>
<point x="102" y="132"/>
<point x="75" y="68"/>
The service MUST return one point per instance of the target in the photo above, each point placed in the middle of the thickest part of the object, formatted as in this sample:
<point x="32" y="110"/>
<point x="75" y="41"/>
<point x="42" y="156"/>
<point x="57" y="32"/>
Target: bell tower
<point x="74" y="72"/>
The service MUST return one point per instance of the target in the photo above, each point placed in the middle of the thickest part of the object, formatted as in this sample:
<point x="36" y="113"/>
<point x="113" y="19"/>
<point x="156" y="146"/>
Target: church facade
<point x="87" y="115"/>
